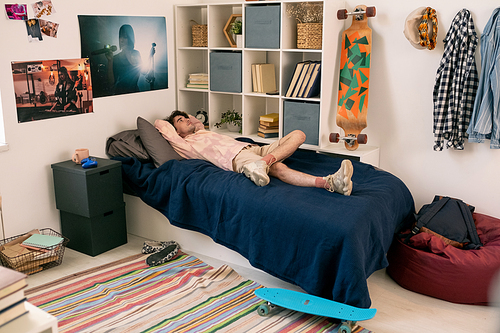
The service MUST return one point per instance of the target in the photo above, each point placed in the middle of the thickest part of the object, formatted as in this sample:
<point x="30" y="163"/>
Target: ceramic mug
<point x="79" y="155"/>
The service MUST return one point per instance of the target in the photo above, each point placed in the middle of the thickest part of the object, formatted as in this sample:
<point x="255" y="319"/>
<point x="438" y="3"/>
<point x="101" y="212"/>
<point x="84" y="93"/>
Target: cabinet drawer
<point x="302" y="116"/>
<point x="96" y="234"/>
<point x="88" y="192"/>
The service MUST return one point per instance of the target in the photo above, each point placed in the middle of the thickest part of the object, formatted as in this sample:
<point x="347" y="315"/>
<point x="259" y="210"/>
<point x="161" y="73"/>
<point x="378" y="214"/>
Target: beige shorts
<point x="251" y="154"/>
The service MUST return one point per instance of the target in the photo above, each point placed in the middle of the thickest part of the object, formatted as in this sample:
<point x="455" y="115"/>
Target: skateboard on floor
<point x="354" y="78"/>
<point x="314" y="305"/>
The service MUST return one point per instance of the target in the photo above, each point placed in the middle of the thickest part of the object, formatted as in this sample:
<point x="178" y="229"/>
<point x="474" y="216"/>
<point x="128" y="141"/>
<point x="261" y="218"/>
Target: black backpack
<point x="449" y="219"/>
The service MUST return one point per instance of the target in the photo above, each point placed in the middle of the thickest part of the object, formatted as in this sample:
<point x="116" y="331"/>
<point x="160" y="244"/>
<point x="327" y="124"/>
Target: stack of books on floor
<point x="269" y="126"/>
<point x="305" y="82"/>
<point x="263" y="78"/>
<point x="12" y="300"/>
<point x="198" y="81"/>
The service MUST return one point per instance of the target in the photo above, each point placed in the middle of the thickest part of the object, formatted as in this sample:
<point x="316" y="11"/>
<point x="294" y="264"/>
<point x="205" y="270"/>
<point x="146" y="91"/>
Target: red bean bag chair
<point x="428" y="266"/>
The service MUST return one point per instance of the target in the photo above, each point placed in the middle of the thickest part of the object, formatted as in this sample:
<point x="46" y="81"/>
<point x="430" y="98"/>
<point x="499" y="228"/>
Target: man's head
<point x="182" y="124"/>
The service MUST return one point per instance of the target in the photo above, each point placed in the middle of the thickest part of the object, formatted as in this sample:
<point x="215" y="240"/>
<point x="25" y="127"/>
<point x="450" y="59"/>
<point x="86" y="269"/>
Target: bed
<point x="326" y="243"/>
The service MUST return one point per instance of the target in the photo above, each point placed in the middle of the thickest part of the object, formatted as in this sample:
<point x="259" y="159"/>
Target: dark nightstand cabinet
<point x="91" y="205"/>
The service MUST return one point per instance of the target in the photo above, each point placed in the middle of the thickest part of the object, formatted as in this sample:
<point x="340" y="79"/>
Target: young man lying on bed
<point x="188" y="137"/>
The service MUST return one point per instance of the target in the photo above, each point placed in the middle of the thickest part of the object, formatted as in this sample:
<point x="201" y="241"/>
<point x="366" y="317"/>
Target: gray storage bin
<point x="262" y="26"/>
<point x="303" y="116"/>
<point x="97" y="234"/>
<point x="88" y="192"/>
<point x="225" y="71"/>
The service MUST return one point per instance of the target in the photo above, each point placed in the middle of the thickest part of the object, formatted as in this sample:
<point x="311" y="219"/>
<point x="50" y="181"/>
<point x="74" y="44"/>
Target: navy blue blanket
<point x="326" y="243"/>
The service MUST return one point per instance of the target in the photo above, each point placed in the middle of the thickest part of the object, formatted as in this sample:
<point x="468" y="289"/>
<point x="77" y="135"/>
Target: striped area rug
<point x="183" y="295"/>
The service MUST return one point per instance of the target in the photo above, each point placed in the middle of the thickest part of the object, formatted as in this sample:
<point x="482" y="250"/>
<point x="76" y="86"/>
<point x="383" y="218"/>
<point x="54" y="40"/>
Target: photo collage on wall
<point x="36" y="27"/>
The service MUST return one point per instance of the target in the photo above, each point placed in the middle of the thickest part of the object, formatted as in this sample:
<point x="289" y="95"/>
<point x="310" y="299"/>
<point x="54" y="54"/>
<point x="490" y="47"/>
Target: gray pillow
<point x="157" y="147"/>
<point x="126" y="144"/>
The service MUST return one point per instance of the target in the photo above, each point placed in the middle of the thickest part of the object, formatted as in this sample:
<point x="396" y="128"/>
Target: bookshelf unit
<point x="249" y="104"/>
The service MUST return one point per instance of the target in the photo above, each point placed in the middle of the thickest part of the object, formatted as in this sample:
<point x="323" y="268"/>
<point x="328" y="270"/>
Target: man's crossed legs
<point x="257" y="163"/>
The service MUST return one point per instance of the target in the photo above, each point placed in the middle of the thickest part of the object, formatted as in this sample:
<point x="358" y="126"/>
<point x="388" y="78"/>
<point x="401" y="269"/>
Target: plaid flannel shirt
<point x="456" y="83"/>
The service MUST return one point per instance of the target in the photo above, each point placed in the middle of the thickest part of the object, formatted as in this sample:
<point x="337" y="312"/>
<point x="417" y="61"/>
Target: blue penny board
<point x="315" y="305"/>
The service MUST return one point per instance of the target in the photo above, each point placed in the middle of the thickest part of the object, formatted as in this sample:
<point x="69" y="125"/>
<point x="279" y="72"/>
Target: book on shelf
<point x="270" y="117"/>
<point x="12" y="312"/>
<point x="305" y="82"/>
<point x="313" y="85"/>
<point x="263" y="78"/>
<point x="300" y="80"/>
<point x="197" y="81"/>
<point x="267" y="135"/>
<point x="295" y="77"/>
<point x="198" y="76"/>
<point x="197" y="86"/>
<point x="269" y="123"/>
<point x="268" y="130"/>
<point x="11" y="281"/>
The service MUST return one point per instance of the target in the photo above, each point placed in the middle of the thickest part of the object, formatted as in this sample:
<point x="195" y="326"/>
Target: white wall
<point x="399" y="120"/>
<point x="25" y="174"/>
<point x="401" y="110"/>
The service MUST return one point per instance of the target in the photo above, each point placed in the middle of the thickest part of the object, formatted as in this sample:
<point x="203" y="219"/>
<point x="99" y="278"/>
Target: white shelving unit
<point x="252" y="105"/>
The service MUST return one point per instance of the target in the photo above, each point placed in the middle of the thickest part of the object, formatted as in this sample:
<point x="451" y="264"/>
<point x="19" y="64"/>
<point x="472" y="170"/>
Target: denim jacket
<point x="485" y="120"/>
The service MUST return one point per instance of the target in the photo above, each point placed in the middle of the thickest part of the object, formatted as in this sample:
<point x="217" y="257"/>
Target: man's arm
<point x="198" y="125"/>
<point x="180" y="145"/>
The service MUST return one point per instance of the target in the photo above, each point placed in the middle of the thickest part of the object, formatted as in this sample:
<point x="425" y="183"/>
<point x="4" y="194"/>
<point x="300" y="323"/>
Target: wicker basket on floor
<point x="309" y="35"/>
<point x="33" y="261"/>
<point x="200" y="34"/>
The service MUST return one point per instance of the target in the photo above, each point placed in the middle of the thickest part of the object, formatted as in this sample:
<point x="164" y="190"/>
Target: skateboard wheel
<point x="334" y="137"/>
<point x="371" y="11"/>
<point x="263" y="310"/>
<point x="344" y="329"/>
<point x="362" y="139"/>
<point x="342" y="14"/>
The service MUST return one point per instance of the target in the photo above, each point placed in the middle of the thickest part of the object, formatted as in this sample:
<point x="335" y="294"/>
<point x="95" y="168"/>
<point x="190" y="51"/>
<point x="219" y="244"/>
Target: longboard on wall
<point x="354" y="79"/>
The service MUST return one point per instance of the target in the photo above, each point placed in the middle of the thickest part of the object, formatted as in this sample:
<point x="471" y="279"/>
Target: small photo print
<point x="33" y="29"/>
<point x="49" y="28"/>
<point x="17" y="11"/>
<point x="41" y="8"/>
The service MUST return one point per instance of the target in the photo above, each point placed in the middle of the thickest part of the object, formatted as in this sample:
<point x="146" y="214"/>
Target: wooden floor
<point x="399" y="310"/>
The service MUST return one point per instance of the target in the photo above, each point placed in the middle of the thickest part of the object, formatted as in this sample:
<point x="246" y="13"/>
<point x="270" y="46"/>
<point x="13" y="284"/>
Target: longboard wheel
<point x="362" y="139"/>
<point x="263" y="310"/>
<point x="371" y="11"/>
<point x="342" y="14"/>
<point x="344" y="329"/>
<point x="334" y="137"/>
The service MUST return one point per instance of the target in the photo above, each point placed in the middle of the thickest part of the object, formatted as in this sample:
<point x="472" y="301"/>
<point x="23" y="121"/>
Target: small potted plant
<point x="233" y="120"/>
<point x="237" y="29"/>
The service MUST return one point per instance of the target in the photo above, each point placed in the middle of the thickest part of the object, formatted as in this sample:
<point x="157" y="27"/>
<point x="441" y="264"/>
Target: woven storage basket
<point x="309" y="35"/>
<point x="200" y="34"/>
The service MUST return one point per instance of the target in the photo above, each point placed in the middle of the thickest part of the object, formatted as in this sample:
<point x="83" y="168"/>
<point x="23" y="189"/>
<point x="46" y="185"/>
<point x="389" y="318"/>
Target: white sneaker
<point x="340" y="181"/>
<point x="257" y="172"/>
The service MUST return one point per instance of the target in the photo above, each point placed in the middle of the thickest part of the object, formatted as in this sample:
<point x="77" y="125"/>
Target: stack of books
<point x="269" y="126"/>
<point x="198" y="81"/>
<point x="28" y="253"/>
<point x="305" y="82"/>
<point x="12" y="300"/>
<point x="263" y="78"/>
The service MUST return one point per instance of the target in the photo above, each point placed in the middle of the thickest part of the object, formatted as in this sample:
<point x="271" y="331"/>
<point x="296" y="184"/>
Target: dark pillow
<point x="126" y="144"/>
<point x="157" y="147"/>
